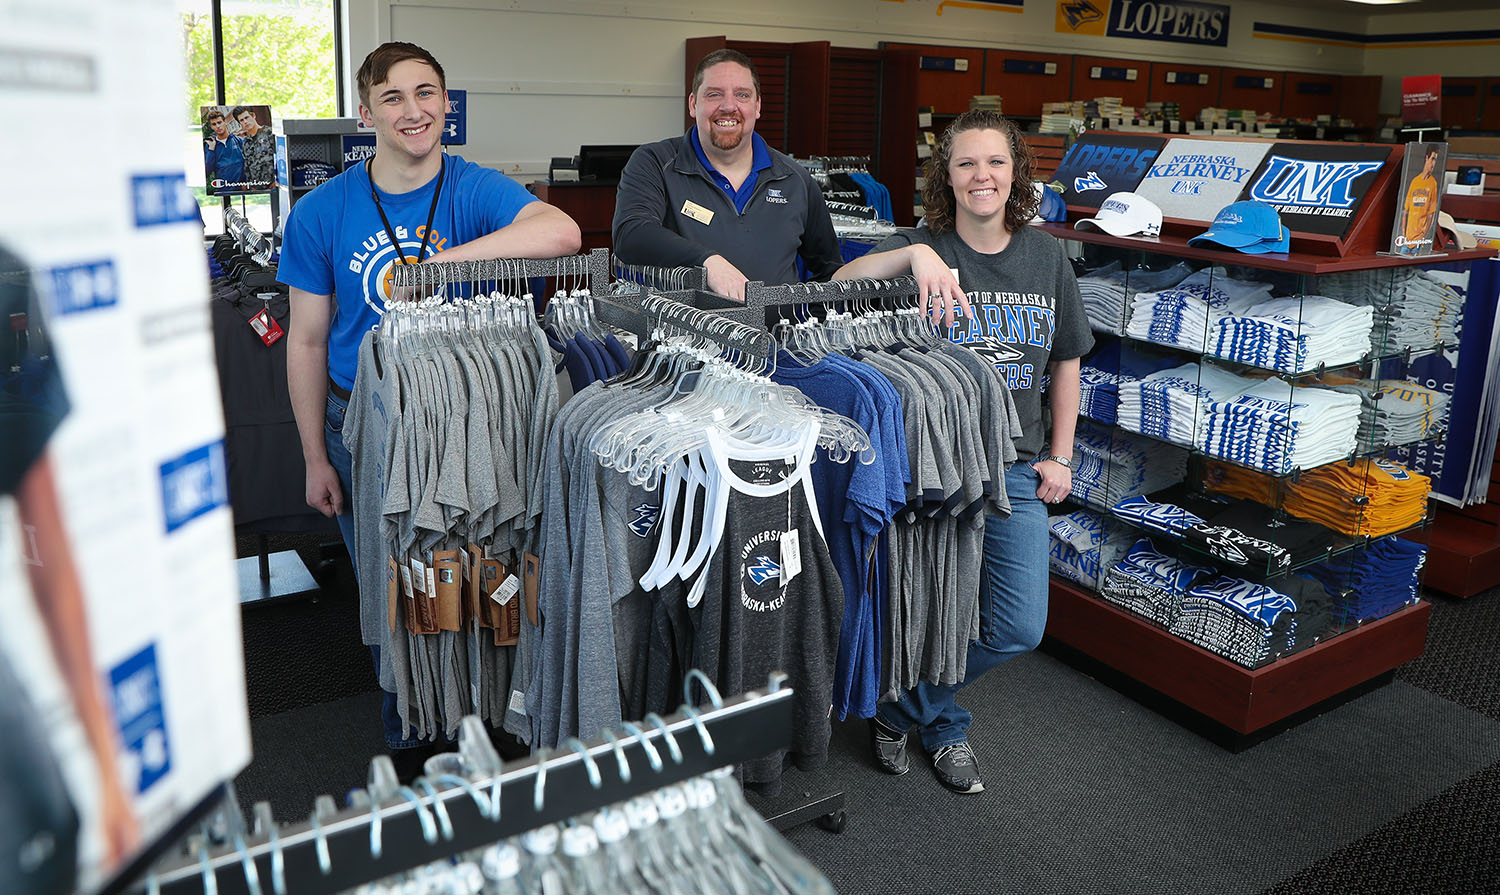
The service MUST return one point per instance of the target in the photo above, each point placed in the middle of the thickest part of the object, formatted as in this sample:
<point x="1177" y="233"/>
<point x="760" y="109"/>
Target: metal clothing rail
<point x="592" y="268"/>
<point x="661" y="278"/>
<point x="358" y="846"/>
<point x="641" y="312"/>
<point x="250" y="240"/>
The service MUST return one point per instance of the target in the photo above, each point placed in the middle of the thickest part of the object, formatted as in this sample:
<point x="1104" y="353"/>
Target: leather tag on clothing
<point x="471" y="558"/>
<point x="423" y="616"/>
<point x="531" y="566"/>
<point x="508" y="630"/>
<point x="491" y="573"/>
<point x="449" y="577"/>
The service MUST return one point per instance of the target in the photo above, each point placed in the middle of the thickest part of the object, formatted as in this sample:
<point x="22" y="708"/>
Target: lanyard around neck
<point x="390" y="231"/>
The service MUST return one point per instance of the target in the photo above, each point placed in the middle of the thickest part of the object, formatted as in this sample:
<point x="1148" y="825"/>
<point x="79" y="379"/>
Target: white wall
<point x="545" y="76"/>
<point x="1395" y="63"/>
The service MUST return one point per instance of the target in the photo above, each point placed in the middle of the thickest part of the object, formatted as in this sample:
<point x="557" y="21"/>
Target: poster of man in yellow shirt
<point x="1421" y="190"/>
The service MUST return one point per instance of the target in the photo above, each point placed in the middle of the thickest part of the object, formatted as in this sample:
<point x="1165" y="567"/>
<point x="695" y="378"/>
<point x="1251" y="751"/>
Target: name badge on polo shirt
<point x="697" y="212"/>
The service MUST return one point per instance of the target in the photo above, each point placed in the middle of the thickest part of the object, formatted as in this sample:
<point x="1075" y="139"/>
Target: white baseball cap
<point x="1463" y="238"/>
<point x="1126" y="214"/>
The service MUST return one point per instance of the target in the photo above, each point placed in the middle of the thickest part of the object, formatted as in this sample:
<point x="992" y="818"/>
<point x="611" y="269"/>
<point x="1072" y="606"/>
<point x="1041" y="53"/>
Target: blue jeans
<point x="1012" y="615"/>
<point x="343" y="464"/>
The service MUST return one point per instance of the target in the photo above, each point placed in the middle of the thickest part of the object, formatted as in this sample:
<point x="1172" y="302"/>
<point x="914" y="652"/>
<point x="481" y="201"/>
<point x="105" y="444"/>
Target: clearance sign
<point x="1178" y="21"/>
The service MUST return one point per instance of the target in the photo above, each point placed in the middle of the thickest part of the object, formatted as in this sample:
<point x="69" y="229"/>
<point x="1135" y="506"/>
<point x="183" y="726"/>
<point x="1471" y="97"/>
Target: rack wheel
<point x="833" y="822"/>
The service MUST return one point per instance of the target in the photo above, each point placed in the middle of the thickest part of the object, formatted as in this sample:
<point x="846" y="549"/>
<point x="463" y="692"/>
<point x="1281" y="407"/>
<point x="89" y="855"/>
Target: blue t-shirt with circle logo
<point x="336" y="245"/>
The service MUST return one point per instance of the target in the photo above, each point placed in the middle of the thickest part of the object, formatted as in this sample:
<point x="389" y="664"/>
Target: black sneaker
<point x="956" y="768"/>
<point x="889" y="747"/>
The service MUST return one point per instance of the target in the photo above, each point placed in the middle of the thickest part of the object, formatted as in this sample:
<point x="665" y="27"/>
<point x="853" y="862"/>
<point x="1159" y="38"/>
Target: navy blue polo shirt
<point x="760" y="160"/>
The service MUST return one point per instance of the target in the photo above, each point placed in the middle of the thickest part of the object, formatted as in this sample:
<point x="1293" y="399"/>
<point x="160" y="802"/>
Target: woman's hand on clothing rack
<point x="937" y="287"/>
<point x="724" y="278"/>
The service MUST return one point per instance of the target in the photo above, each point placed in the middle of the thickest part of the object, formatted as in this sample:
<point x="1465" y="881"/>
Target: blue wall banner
<point x="1175" y="21"/>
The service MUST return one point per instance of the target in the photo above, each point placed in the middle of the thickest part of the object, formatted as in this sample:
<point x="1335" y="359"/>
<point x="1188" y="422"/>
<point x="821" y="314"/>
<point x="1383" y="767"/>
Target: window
<point x="280" y="53"/>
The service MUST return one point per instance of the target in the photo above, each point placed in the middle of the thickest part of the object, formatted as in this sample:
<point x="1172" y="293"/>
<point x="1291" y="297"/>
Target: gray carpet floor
<point x="1086" y="790"/>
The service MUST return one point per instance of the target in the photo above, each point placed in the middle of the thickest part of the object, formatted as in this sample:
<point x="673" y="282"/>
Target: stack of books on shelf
<point x="988" y="101"/>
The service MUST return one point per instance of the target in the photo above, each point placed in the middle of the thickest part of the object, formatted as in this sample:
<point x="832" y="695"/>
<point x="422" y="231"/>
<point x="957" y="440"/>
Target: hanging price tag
<point x="266" y="327"/>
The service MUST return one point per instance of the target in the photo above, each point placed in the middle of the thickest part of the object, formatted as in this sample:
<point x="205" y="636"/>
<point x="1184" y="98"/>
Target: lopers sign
<point x="1098" y="164"/>
<point x="1175" y="21"/>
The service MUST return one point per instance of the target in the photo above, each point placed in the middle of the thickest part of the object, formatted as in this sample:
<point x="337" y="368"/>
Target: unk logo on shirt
<point x="644" y="520"/>
<point x="775" y="196"/>
<point x="1309" y="184"/>
<point x="763" y="569"/>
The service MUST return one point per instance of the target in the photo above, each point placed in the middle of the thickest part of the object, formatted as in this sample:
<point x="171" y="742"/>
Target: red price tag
<point x="266" y="327"/>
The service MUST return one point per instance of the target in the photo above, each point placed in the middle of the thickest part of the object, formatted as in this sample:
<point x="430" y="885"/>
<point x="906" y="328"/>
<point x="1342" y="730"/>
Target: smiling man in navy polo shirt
<point x="720" y="198"/>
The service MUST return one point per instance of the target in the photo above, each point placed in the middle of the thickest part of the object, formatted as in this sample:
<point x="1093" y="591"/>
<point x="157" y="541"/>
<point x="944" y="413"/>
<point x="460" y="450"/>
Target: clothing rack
<point x="248" y="239"/>
<point x="661" y="278"/>
<point x="592" y="268"/>
<point x="356" y="846"/>
<point x="641" y="312"/>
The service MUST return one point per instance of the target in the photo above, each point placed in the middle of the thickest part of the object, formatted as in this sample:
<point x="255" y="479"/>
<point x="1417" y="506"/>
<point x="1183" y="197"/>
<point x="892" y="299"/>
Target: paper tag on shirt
<point x="791" y="556"/>
<point x="518" y="702"/>
<point x="266" y="327"/>
<point x="697" y="212"/>
<point x="507" y="590"/>
<point x="418" y="576"/>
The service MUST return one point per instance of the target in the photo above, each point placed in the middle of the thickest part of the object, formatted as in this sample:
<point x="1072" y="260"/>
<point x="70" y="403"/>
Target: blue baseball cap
<point x="1252" y="227"/>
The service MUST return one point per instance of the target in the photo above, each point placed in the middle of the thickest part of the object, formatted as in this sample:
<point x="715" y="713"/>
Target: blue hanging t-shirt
<point x="336" y="244"/>
<point x="854" y="505"/>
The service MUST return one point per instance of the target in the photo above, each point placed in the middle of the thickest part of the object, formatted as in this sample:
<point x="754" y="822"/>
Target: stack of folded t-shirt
<point x="1294" y="334"/>
<point x="1103" y="372"/>
<point x="1169" y="404"/>
<point x="1238" y="535"/>
<point x="1413" y="308"/>
<point x="1369" y="497"/>
<point x="1279" y="428"/>
<point x="1150" y="583"/>
<point x="1251" y="624"/>
<point x="1373" y="582"/>
<point x="1395" y="413"/>
<point x="1107" y="291"/>
<point x="1084" y="544"/>
<point x="1108" y="466"/>
<point x="1183" y="314"/>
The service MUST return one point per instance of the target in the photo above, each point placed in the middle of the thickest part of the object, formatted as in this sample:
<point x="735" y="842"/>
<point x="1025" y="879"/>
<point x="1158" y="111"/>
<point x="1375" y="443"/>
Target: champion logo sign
<point x="1310" y="184"/>
<point x="763" y="569"/>
<point x="644" y="520"/>
<point x="775" y="196"/>
<point x="1092" y="182"/>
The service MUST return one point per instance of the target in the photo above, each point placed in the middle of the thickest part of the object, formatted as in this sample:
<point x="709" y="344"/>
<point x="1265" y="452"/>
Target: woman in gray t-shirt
<point x="1008" y="292"/>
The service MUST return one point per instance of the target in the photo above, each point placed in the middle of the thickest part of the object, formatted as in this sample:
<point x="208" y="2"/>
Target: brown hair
<point x="937" y="193"/>
<point x="377" y="66"/>
<point x="211" y="113"/>
<point x="725" y="55"/>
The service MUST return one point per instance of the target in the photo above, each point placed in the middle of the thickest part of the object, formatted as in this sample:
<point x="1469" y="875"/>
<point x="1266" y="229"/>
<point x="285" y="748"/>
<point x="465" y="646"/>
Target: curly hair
<point x="937" y="192"/>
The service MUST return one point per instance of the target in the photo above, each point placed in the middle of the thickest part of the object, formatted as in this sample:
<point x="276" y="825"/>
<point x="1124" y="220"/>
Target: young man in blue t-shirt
<point x="410" y="203"/>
